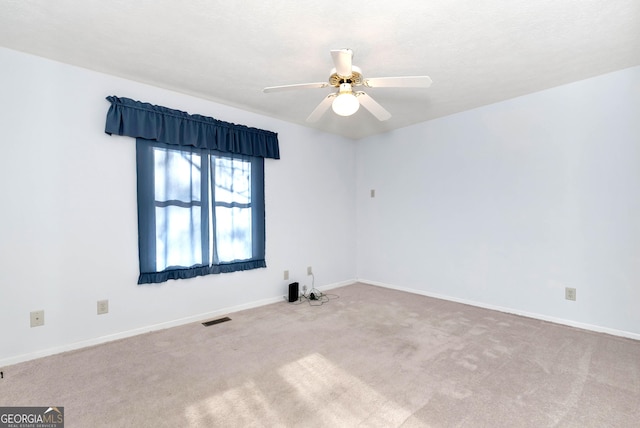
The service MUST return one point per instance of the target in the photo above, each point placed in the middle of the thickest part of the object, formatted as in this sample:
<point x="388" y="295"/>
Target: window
<point x="200" y="211"/>
<point x="200" y="190"/>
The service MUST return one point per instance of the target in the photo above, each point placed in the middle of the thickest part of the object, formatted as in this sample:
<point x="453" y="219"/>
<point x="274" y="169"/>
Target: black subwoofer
<point x="293" y="291"/>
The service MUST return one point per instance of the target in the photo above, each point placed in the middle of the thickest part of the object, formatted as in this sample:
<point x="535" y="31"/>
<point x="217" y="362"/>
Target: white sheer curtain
<point x="232" y="208"/>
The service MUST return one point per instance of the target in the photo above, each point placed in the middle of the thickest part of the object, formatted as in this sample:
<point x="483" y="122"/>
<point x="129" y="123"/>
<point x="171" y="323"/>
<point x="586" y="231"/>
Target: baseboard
<point x="155" y="327"/>
<point x="570" y="323"/>
<point x="229" y="310"/>
<point x="336" y="285"/>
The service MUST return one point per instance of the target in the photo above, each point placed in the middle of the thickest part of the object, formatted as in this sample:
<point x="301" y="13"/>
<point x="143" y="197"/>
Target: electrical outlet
<point x="570" y="293"/>
<point x="37" y="318"/>
<point x="304" y="289"/>
<point x="286" y="275"/>
<point x="103" y="307"/>
<point x="373" y="193"/>
<point x="309" y="270"/>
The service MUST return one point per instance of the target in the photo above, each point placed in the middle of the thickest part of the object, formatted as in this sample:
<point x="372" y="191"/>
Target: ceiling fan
<point x="346" y="76"/>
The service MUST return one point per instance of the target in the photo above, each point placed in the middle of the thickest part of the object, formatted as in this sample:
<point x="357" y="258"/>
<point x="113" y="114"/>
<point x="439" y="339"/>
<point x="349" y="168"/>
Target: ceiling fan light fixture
<point x="346" y="103"/>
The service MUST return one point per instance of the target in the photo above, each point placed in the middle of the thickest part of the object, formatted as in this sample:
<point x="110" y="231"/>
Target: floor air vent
<point x="218" y="321"/>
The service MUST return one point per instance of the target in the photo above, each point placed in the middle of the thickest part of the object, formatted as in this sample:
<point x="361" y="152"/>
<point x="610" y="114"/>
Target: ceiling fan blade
<point x="297" y="86"/>
<point x="370" y="104"/>
<point x="321" y="109"/>
<point x="342" y="59"/>
<point x="398" y="82"/>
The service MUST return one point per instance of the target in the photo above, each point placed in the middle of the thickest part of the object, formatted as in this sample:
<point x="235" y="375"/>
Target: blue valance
<point x="143" y="120"/>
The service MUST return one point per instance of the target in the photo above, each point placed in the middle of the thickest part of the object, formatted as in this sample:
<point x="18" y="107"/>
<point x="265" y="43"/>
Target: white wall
<point x="504" y="206"/>
<point x="68" y="222"/>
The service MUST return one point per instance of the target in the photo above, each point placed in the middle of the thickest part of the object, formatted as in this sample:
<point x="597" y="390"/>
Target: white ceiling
<point x="476" y="51"/>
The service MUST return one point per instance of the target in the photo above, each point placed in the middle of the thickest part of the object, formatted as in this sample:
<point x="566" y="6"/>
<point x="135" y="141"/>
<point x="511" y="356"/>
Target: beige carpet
<point x="368" y="357"/>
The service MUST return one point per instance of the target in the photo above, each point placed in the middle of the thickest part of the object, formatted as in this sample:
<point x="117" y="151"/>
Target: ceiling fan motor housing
<point x="355" y="79"/>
